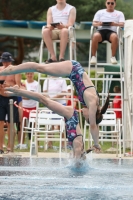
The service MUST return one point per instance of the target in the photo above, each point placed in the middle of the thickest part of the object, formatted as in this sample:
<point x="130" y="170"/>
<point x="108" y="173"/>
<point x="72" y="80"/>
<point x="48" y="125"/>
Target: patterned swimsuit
<point x="71" y="125"/>
<point x="76" y="77"/>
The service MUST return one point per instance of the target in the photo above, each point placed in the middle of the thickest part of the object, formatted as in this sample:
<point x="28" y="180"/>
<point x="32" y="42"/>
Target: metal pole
<point x="11" y="125"/>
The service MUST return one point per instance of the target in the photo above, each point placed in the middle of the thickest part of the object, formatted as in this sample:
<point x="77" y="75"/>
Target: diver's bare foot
<point x="95" y="148"/>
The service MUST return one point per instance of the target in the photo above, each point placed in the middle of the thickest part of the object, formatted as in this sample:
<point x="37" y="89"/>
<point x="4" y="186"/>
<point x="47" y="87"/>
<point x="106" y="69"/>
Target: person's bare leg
<point x="63" y="143"/>
<point x="20" y="111"/>
<point x="95" y="40"/>
<point x="19" y="134"/>
<point x="50" y="143"/>
<point x="9" y="138"/>
<point x="8" y="131"/>
<point x="4" y="140"/>
<point x="47" y="37"/>
<point x="53" y="69"/>
<point x="63" y="42"/>
<point x="1" y="134"/>
<point x="5" y="131"/>
<point x="114" y="43"/>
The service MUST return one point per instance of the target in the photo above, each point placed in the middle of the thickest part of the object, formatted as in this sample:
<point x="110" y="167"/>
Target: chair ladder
<point x="108" y="77"/>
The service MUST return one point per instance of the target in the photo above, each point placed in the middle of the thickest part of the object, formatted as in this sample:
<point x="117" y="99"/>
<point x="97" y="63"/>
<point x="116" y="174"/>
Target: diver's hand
<point x="9" y="94"/>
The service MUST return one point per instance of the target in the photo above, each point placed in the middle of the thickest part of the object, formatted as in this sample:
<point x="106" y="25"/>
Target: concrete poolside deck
<point x="64" y="155"/>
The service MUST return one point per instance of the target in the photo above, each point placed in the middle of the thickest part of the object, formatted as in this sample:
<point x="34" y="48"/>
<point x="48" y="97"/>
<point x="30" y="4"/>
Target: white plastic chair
<point x="108" y="75"/>
<point x="28" y="125"/>
<point x="114" y="135"/>
<point x="36" y="125"/>
<point x="44" y="123"/>
<point x="71" y="42"/>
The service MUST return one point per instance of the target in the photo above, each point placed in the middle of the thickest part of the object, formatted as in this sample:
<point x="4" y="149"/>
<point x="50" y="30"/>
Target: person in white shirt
<point x="107" y="20"/>
<point x="31" y="85"/>
<point x="29" y="104"/>
<point x="54" y="86"/>
<point x="65" y="14"/>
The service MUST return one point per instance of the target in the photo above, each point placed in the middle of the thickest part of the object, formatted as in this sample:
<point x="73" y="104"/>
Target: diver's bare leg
<point x="54" y="69"/>
<point x="56" y="107"/>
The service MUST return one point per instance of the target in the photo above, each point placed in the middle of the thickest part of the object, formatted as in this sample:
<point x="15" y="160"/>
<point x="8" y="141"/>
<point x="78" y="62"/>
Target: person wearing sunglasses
<point x="107" y="20"/>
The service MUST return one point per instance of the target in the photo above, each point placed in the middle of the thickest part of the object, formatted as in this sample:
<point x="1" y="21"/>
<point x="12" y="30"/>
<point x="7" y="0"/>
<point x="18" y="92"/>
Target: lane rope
<point x="24" y="109"/>
<point x="15" y="104"/>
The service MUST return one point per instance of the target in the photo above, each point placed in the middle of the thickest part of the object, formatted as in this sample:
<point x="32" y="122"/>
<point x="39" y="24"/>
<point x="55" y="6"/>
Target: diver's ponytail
<point x="105" y="107"/>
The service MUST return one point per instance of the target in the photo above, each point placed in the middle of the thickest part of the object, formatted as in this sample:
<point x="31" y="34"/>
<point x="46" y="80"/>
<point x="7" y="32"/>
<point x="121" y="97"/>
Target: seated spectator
<point x="65" y="14"/>
<point x="75" y="98"/>
<point x="107" y="31"/>
<point x="54" y="86"/>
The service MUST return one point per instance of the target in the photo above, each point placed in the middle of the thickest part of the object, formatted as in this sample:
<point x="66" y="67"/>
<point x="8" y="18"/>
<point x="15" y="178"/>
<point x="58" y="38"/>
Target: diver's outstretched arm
<point x="18" y="69"/>
<point x="53" y="69"/>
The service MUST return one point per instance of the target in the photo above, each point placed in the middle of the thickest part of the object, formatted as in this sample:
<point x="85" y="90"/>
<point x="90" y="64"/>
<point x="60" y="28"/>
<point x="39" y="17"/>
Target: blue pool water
<point x="55" y="179"/>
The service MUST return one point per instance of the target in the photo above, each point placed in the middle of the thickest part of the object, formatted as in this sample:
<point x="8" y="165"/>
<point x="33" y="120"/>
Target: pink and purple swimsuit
<point x="76" y="77"/>
<point x="71" y="125"/>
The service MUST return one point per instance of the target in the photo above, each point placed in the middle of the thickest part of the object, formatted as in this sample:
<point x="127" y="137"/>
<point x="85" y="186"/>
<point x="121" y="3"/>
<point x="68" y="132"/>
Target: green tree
<point x="36" y="10"/>
<point x="23" y="10"/>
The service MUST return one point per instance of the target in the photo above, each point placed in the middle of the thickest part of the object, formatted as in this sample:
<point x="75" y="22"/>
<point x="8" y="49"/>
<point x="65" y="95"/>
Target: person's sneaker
<point x="50" y="147"/>
<point x="113" y="60"/>
<point x="93" y="60"/>
<point x="24" y="146"/>
<point x="55" y="148"/>
<point x="41" y="147"/>
<point x="17" y="146"/>
<point x="1" y="151"/>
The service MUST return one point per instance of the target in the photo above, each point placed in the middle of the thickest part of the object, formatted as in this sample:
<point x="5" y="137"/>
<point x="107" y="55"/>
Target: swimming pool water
<point x="55" y="179"/>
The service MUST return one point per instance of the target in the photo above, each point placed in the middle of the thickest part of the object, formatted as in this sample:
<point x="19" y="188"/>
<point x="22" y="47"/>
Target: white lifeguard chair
<point x="108" y="76"/>
<point x="71" y="43"/>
